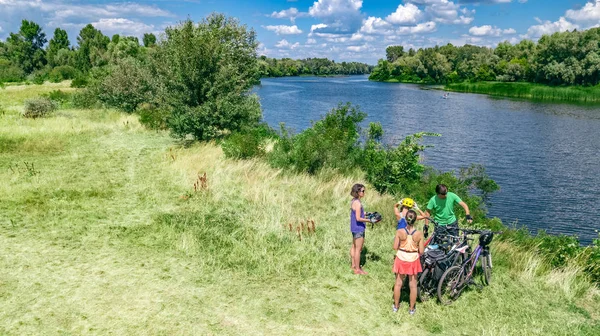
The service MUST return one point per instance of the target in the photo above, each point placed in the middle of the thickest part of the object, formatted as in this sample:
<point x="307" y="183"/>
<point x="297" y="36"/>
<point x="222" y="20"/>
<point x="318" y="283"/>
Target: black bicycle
<point x="436" y="261"/>
<point x="456" y="278"/>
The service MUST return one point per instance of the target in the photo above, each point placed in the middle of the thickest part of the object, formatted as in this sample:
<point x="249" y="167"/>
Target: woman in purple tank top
<point x="357" y="226"/>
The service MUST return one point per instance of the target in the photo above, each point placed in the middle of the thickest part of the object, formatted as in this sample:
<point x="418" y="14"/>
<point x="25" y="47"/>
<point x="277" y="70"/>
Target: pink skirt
<point x="408" y="268"/>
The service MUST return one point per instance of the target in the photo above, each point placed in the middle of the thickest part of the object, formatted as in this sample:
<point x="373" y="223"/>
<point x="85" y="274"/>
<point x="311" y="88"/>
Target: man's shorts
<point x="356" y="235"/>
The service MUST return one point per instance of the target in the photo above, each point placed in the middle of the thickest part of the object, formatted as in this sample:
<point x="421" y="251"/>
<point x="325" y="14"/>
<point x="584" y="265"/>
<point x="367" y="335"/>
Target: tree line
<point x="565" y="58"/>
<point x="28" y="55"/>
<point x="271" y="67"/>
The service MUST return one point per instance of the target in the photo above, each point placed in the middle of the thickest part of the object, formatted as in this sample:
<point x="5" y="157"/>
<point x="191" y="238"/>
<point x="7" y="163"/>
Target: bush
<point x="248" y="143"/>
<point x="128" y="84"/>
<point x="60" y="73"/>
<point x="60" y="97"/>
<point x="80" y="81"/>
<point x="38" y="107"/>
<point x="39" y="76"/>
<point x="10" y="73"/>
<point x="331" y="142"/>
<point x="153" y="117"/>
<point x="84" y="99"/>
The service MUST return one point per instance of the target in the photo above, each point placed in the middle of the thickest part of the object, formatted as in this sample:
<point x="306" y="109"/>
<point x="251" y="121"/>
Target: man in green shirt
<point x="442" y="204"/>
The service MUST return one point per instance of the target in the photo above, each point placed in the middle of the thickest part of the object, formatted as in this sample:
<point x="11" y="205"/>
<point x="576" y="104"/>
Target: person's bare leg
<point x="412" y="283"/>
<point x="352" y="254"/>
<point x="397" y="288"/>
<point x="358" y="244"/>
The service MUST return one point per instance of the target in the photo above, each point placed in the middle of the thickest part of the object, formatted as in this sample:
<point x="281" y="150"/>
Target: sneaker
<point x="412" y="311"/>
<point x="394" y="309"/>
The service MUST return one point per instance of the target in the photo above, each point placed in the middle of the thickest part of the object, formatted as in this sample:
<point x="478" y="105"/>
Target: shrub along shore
<point x="590" y="94"/>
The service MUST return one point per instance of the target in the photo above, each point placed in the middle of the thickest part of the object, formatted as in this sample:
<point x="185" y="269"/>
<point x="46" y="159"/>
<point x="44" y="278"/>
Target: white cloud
<point x="547" y="27"/>
<point x="444" y="11"/>
<point x="311" y="41"/>
<point x="589" y="12"/>
<point x="340" y="16"/>
<point x="487" y="30"/>
<point x="284" y="30"/>
<point x="122" y="26"/>
<point x="357" y="48"/>
<point x="375" y="25"/>
<point x="405" y="15"/>
<point x="421" y="28"/>
<point x="284" y="44"/>
<point x="328" y="8"/>
<point x="317" y="26"/>
<point x="291" y="13"/>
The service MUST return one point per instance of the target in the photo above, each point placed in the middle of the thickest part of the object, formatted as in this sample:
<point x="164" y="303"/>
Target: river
<point x="544" y="156"/>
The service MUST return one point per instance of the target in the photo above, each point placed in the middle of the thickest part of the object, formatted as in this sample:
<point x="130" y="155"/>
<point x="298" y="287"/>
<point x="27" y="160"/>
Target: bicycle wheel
<point x="486" y="265"/>
<point x="427" y="286"/>
<point x="450" y="285"/>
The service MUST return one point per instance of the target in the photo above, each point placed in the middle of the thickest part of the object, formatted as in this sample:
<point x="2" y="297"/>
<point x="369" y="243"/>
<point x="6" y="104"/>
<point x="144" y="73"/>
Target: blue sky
<point x="343" y="30"/>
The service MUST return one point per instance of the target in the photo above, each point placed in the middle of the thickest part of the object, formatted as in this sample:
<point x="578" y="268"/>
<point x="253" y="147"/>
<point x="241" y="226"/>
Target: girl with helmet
<point x="408" y="245"/>
<point x="402" y="207"/>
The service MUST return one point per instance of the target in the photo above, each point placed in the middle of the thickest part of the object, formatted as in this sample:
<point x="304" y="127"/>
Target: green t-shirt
<point x="444" y="208"/>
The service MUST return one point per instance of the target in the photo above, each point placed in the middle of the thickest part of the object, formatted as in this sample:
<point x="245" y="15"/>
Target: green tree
<point x="59" y="41"/>
<point x="25" y="48"/>
<point x="206" y="72"/>
<point x="92" y="46"/>
<point x="392" y="53"/>
<point x="149" y="40"/>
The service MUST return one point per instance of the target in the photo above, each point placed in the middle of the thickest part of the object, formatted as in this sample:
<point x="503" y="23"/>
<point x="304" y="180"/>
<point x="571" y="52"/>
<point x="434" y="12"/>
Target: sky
<point x="341" y="30"/>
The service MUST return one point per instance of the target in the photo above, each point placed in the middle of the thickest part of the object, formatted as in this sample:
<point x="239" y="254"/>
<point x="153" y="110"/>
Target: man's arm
<point x="467" y="212"/>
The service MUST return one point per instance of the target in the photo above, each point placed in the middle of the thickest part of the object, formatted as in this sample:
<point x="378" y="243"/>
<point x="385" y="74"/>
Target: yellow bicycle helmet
<point x="407" y="202"/>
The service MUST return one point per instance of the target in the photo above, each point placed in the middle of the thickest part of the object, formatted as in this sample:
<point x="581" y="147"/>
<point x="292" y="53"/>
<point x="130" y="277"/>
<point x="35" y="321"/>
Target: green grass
<point x="107" y="235"/>
<point x="531" y="91"/>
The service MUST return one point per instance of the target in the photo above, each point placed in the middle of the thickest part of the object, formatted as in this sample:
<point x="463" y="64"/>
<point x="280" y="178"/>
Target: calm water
<point x="544" y="156"/>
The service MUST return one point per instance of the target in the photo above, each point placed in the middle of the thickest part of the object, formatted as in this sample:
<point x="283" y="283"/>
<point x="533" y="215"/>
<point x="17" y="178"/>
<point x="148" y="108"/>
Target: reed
<point x="530" y="91"/>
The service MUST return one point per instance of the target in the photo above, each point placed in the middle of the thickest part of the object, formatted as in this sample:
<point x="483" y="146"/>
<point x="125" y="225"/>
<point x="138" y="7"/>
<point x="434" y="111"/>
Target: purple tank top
<point x="356" y="226"/>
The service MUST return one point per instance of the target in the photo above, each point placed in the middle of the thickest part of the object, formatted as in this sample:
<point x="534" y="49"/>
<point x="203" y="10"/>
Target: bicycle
<point x="436" y="261"/>
<point x="456" y="278"/>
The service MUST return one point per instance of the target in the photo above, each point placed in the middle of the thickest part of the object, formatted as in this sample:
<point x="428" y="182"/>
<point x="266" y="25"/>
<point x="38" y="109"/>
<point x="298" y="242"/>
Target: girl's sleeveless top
<point x="409" y="250"/>
<point x="356" y="226"/>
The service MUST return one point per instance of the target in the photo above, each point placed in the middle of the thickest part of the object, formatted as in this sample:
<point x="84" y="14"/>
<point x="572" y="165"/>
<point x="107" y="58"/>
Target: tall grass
<point x="530" y="91"/>
<point x="110" y="235"/>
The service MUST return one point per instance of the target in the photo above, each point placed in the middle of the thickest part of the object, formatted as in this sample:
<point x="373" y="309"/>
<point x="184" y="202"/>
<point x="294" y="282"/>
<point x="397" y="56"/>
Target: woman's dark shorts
<point x="356" y="235"/>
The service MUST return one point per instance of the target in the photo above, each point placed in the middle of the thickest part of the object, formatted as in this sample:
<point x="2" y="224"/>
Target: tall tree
<point x="92" y="46"/>
<point x="149" y="40"/>
<point x="392" y="53"/>
<point x="25" y="48"/>
<point x="59" y="41"/>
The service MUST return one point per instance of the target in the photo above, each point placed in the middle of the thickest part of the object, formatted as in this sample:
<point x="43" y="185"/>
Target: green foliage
<point x="63" y="72"/>
<point x="149" y="40"/>
<point x="60" y="41"/>
<point x="205" y="72"/>
<point x="153" y="117"/>
<point x="271" y="67"/>
<point x="24" y="49"/>
<point x="248" y="143"/>
<point x="127" y="85"/>
<point x="38" y="107"/>
<point x="84" y="99"/>
<point x="331" y="142"/>
<point x="529" y="90"/>
<point x="80" y="81"/>
<point x="38" y="76"/>
<point x="92" y="47"/>
<point x="563" y="58"/>
<point x="393" y="170"/>
<point x="10" y="73"/>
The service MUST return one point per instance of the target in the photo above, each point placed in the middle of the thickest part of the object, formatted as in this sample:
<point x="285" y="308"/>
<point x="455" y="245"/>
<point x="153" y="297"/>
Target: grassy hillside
<point x="102" y="232"/>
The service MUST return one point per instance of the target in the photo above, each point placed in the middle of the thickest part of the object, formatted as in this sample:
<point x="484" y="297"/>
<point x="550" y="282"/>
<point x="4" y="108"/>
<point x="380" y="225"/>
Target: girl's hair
<point x="355" y="189"/>
<point x="411" y="217"/>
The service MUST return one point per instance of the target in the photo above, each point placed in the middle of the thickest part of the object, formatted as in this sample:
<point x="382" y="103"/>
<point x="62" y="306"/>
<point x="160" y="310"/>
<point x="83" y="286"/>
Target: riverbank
<point x="108" y="229"/>
<point x="530" y="91"/>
